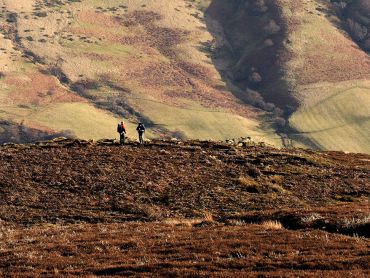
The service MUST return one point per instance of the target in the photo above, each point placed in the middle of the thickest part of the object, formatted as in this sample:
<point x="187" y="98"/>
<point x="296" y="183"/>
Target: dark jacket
<point x="140" y="128"/>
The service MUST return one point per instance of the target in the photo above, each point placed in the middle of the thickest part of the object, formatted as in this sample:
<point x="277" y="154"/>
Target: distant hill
<point x="300" y="56"/>
<point x="289" y="73"/>
<point x="80" y="66"/>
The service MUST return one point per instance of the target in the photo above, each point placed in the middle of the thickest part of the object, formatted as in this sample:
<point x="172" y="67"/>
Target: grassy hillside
<point x="140" y="60"/>
<point x="34" y="100"/>
<point x="335" y="70"/>
<point x="265" y="69"/>
<point x="307" y="65"/>
<point x="339" y="120"/>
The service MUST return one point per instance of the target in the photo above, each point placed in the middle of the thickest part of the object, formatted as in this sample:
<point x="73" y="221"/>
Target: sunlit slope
<point x="195" y="122"/>
<point x="37" y="101"/>
<point x="330" y="75"/>
<point x="85" y="120"/>
<point x="339" y="121"/>
<point x="296" y="55"/>
<point x="121" y="56"/>
<point x="80" y="66"/>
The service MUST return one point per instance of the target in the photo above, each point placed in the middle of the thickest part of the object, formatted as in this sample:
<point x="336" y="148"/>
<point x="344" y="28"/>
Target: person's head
<point x="122" y="123"/>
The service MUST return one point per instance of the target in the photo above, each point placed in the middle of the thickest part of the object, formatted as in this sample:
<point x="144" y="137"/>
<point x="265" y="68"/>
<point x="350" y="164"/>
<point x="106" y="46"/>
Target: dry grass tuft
<point x="275" y="188"/>
<point x="253" y="186"/>
<point x="272" y="225"/>
<point x="311" y="218"/>
<point x="190" y="222"/>
<point x="182" y="221"/>
<point x="250" y="184"/>
<point x="208" y="217"/>
<point x="354" y="222"/>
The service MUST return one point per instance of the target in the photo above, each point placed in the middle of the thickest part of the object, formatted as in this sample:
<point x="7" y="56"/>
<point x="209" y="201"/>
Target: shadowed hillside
<point x="356" y="20"/>
<point x="298" y="56"/>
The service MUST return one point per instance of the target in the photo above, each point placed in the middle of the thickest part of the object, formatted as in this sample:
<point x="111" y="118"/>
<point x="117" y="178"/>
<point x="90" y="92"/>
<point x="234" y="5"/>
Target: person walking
<point x="121" y="129"/>
<point x="141" y="130"/>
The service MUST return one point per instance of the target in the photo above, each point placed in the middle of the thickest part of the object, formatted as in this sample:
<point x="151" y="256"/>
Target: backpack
<point x="141" y="128"/>
<point x="121" y="128"/>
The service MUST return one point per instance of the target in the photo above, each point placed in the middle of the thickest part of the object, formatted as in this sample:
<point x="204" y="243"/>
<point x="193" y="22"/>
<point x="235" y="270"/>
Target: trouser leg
<point x="141" y="138"/>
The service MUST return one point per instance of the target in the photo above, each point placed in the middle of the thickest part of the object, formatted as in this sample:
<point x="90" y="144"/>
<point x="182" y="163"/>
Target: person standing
<point x="141" y="130"/>
<point x="121" y="129"/>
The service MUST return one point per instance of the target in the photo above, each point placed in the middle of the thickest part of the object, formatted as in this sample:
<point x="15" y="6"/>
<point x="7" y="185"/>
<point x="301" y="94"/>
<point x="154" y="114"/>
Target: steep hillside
<point x="291" y="73"/>
<point x="298" y="55"/>
<point x="71" y="207"/>
<point x="86" y="63"/>
<point x="356" y="17"/>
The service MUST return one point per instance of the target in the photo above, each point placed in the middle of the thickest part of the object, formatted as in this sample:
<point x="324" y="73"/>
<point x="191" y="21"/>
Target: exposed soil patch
<point x="92" y="18"/>
<point x="39" y="89"/>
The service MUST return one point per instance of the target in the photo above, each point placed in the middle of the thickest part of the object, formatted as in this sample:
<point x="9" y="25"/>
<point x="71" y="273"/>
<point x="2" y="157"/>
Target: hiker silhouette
<point x="141" y="130"/>
<point x="121" y="129"/>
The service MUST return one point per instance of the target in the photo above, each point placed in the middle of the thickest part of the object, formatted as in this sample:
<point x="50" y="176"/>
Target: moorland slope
<point x="70" y="207"/>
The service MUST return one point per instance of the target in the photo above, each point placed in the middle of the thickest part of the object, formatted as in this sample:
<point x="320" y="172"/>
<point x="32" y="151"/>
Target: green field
<point x="341" y="121"/>
<point x="84" y="120"/>
<point x="200" y="123"/>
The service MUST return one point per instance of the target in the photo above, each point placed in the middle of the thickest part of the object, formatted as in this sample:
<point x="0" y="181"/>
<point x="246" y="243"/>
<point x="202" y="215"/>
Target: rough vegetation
<point x="286" y="72"/>
<point x="74" y="207"/>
